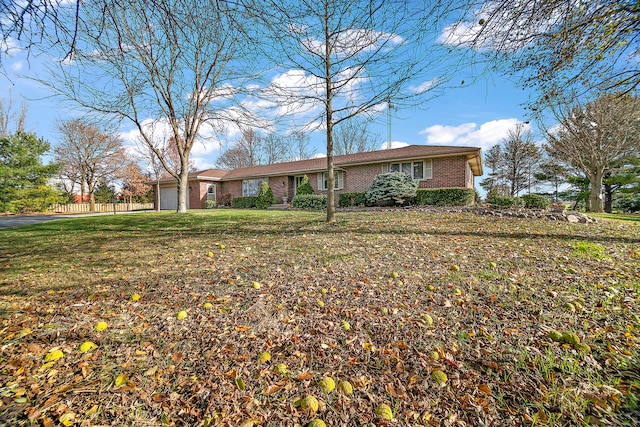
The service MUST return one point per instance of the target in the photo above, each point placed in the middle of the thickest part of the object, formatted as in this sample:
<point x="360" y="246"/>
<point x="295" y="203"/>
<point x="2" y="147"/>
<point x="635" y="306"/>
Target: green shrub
<point x="244" y="202"/>
<point x="352" y="199"/>
<point x="304" y="187"/>
<point x="390" y="189"/>
<point x="210" y="204"/>
<point x="505" y="202"/>
<point x="265" y="196"/>
<point x="628" y="204"/>
<point x="535" y="201"/>
<point x="445" y="196"/>
<point x="316" y="202"/>
<point x="37" y="199"/>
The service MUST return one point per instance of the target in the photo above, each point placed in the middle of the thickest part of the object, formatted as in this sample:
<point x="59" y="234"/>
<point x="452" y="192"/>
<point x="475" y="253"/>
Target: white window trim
<point x="427" y="168"/>
<point x="244" y="187"/>
<point x="338" y="183"/>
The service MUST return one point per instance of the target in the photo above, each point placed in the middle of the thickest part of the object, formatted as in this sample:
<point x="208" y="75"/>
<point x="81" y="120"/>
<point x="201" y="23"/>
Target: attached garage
<point x="169" y="198"/>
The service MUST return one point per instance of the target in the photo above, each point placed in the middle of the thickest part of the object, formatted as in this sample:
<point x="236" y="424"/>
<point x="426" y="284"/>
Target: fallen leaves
<point x="375" y="340"/>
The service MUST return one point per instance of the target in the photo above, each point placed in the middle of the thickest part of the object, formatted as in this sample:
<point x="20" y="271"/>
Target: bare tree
<point x="9" y="117"/>
<point x="173" y="60"/>
<point x="520" y="156"/>
<point x="89" y="155"/>
<point x="557" y="46"/>
<point x="245" y="152"/>
<point x="353" y="136"/>
<point x="495" y="183"/>
<point x="275" y="148"/>
<point x="349" y="58"/>
<point x="595" y="136"/>
<point x="298" y="141"/>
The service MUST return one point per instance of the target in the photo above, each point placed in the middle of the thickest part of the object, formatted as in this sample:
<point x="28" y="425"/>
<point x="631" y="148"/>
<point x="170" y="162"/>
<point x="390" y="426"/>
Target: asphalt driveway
<point x="10" y="221"/>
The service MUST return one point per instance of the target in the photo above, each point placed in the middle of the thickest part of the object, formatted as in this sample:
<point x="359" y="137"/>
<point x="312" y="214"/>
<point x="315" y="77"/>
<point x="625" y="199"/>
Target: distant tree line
<point x="591" y="157"/>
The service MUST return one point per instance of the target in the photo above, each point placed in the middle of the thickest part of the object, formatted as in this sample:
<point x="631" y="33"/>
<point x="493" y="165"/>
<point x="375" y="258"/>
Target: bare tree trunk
<point x="157" y="196"/>
<point x="183" y="189"/>
<point x="595" y="198"/>
<point x="92" y="199"/>
<point x="331" y="209"/>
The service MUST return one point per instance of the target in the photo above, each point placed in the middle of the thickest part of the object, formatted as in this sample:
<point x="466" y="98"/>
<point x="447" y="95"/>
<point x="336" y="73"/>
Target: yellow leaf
<point x="151" y="371"/>
<point x="68" y="419"/>
<point x="92" y="410"/>
<point x="264" y="357"/>
<point x="181" y="315"/>
<point x="100" y="326"/>
<point x="135" y="297"/>
<point x="384" y="411"/>
<point x="87" y="346"/>
<point x="54" y="355"/>
<point x="121" y="380"/>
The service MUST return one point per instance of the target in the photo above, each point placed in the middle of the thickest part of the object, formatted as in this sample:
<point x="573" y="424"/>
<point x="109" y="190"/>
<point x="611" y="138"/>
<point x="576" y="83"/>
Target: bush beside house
<point x="445" y="196"/>
<point x="346" y="200"/>
<point x="265" y="196"/>
<point x="316" y="202"/>
<point x="244" y="202"/>
<point x="304" y="187"/>
<point x="391" y="189"/>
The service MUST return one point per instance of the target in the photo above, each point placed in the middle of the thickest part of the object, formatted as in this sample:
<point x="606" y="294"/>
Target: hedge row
<point x="445" y="196"/>
<point x="430" y="197"/>
<point x="316" y="202"/>
<point x="244" y="202"/>
<point x="529" y="201"/>
<point x="352" y="199"/>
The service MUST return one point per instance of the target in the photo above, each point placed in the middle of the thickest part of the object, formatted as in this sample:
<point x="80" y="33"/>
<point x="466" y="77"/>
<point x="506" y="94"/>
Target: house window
<point x="416" y="170"/>
<point x="323" y="181"/>
<point x="211" y="192"/>
<point x="251" y="187"/>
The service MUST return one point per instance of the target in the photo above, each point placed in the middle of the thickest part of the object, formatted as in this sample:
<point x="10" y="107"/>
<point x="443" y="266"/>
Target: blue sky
<point x="478" y="113"/>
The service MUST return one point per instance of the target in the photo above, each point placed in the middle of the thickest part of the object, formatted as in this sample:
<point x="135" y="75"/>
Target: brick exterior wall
<point x="230" y="187"/>
<point x="280" y="186"/>
<point x="447" y="172"/>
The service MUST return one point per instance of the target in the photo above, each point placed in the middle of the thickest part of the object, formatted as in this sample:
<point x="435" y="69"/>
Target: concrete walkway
<point x="10" y="221"/>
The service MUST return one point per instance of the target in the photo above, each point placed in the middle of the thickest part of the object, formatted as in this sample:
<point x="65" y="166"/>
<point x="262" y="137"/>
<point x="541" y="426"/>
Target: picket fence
<point x="101" y="207"/>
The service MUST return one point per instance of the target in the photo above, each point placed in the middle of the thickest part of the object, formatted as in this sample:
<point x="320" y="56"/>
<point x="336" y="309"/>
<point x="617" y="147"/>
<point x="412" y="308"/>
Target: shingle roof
<point x="319" y="164"/>
<point x="313" y="165"/>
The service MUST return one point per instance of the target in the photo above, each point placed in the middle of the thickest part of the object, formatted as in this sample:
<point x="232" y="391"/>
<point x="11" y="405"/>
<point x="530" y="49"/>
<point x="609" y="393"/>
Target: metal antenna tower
<point x="389" y="108"/>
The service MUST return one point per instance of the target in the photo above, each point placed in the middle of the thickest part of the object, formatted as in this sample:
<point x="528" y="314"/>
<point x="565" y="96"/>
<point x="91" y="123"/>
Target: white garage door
<point x="168" y="198"/>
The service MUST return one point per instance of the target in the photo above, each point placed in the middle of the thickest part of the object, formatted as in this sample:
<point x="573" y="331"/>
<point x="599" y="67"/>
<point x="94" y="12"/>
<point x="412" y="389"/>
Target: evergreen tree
<point x="23" y="177"/>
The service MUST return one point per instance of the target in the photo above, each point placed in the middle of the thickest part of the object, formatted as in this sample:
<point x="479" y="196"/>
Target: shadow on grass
<point x="68" y="240"/>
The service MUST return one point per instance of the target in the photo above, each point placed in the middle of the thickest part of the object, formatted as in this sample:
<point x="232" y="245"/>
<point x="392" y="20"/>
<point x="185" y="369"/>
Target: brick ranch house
<point x="431" y="166"/>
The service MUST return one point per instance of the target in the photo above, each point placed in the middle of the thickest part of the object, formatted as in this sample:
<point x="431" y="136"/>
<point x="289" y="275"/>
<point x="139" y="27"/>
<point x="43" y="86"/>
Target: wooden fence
<point x="101" y="207"/>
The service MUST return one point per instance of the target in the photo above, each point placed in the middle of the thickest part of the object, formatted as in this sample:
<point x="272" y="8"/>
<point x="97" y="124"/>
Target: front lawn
<point x="233" y="318"/>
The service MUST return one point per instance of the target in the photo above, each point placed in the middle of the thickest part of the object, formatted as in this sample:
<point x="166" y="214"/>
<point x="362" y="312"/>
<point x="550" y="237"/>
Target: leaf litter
<point x="449" y="319"/>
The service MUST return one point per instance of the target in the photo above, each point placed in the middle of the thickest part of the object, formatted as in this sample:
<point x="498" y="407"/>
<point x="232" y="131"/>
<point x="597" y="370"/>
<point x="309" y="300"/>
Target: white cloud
<point x="470" y="134"/>
<point x="9" y="46"/>
<point x="393" y="144"/>
<point x="17" y="66"/>
<point x="439" y="134"/>
<point x="354" y="41"/>
<point x="424" y="86"/>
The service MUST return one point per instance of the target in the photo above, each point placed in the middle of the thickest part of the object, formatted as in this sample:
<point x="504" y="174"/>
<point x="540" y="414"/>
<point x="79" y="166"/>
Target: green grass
<point x="617" y="216"/>
<point x="515" y="280"/>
